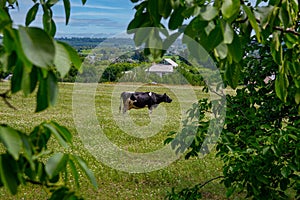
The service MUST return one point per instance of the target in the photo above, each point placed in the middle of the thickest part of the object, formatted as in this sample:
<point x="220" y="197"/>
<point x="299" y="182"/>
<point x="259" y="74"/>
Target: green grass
<point x="115" y="184"/>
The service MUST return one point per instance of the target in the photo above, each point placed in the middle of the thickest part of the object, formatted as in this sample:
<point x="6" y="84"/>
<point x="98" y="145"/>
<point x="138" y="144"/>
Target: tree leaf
<point x="7" y="175"/>
<point x="176" y="18"/>
<point x="221" y="51"/>
<point x="27" y="147"/>
<point x="51" y="3"/>
<point x="155" y="44"/>
<point x="61" y="60"/>
<point x="230" y="8"/>
<point x="284" y="15"/>
<point x="31" y="14"/>
<point x="60" y="138"/>
<point x="11" y="140"/>
<point x="16" y="80"/>
<point x="67" y="6"/>
<point x="42" y="95"/>
<point x="37" y="46"/>
<point x="228" y="33"/>
<point x="232" y="74"/>
<point x="154" y="11"/>
<point x="52" y="29"/>
<point x="137" y="22"/>
<point x="285" y="171"/>
<point x="170" y="40"/>
<point x="52" y="88"/>
<point x="281" y="85"/>
<point x="297" y="96"/>
<point x="276" y="49"/>
<point x="264" y="14"/>
<point x="73" y="55"/>
<point x="5" y="19"/>
<point x="86" y="170"/>
<point x="63" y="131"/>
<point x="74" y="172"/>
<point x="208" y="13"/>
<point x="141" y="36"/>
<point x="26" y="83"/>
<point x="33" y="78"/>
<point x="235" y="49"/>
<point x="164" y="8"/>
<point x="56" y="164"/>
<point x="213" y="39"/>
<point x="253" y="22"/>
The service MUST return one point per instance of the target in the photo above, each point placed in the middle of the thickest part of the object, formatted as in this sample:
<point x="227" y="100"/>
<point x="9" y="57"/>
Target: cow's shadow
<point x="139" y="123"/>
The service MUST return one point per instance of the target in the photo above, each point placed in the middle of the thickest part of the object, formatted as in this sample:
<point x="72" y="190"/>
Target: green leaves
<point x="62" y="60"/>
<point x="253" y="22"/>
<point x="11" y="140"/>
<point x="34" y="58"/>
<point x="208" y="13"/>
<point x="67" y="7"/>
<point x="7" y="174"/>
<point x="62" y="135"/>
<point x="232" y="74"/>
<point x="176" y="18"/>
<point x="56" y="164"/>
<point x="72" y="55"/>
<point x="230" y="8"/>
<point x="82" y="164"/>
<point x="235" y="49"/>
<point x="47" y="91"/>
<point x="281" y="85"/>
<point x="30" y="17"/>
<point x="164" y="8"/>
<point x="37" y="46"/>
<point x="22" y="159"/>
<point x="5" y="19"/>
<point x="228" y="33"/>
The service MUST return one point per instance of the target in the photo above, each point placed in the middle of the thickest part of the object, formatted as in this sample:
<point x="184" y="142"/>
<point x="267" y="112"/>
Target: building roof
<point x="160" y="68"/>
<point x="171" y="62"/>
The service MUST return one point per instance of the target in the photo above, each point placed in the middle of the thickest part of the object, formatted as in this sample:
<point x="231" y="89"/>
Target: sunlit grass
<point x="114" y="184"/>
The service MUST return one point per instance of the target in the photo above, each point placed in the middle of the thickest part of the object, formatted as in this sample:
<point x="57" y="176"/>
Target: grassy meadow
<point x="143" y="134"/>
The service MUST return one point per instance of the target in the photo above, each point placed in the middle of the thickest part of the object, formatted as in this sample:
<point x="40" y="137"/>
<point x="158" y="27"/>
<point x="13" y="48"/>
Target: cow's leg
<point x="126" y="106"/>
<point x="150" y="110"/>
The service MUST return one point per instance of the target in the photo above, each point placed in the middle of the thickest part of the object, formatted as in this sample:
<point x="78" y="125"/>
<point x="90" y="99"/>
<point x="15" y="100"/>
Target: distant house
<point x="165" y="67"/>
<point x="169" y="61"/>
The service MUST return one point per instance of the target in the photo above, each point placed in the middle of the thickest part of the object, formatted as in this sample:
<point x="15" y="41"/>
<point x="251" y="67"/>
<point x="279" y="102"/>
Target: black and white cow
<point x="139" y="100"/>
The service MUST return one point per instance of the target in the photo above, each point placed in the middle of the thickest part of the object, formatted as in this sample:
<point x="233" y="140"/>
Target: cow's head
<point x="167" y="98"/>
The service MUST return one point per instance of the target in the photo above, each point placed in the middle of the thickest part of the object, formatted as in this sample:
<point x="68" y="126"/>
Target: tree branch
<point x="288" y="30"/>
<point x="5" y="97"/>
<point x="34" y="182"/>
<point x="202" y="185"/>
<point x="278" y="28"/>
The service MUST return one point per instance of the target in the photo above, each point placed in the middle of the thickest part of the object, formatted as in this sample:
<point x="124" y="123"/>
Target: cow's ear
<point x="165" y="94"/>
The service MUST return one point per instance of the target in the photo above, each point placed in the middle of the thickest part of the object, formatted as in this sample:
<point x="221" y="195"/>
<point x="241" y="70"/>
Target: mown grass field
<point x="115" y="184"/>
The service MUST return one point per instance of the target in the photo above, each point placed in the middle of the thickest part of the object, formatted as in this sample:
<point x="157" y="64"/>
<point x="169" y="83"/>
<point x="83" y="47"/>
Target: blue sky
<point x="97" y="18"/>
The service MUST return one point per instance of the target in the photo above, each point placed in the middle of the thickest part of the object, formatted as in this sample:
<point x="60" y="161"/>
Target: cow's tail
<point x="121" y="99"/>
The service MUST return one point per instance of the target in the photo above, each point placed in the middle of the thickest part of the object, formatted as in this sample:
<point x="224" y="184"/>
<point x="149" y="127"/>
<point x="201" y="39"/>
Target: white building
<point x="165" y="67"/>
